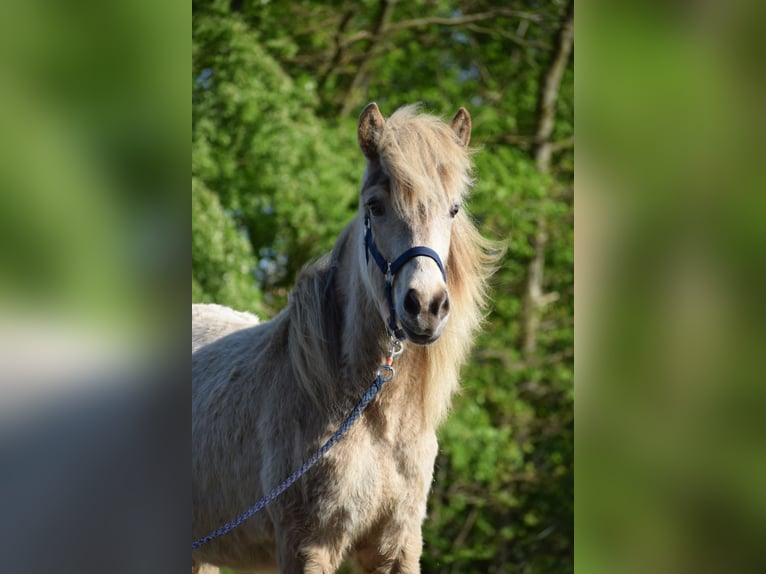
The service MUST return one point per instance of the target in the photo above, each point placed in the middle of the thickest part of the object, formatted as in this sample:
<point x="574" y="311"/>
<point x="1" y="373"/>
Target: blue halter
<point x="390" y="270"/>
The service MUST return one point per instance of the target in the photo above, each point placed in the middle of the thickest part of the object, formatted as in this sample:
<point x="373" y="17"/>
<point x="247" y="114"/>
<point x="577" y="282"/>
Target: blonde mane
<point x="472" y="262"/>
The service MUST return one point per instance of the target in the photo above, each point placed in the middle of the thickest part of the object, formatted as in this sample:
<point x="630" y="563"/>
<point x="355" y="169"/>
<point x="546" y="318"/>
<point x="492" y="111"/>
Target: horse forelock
<point x="424" y="163"/>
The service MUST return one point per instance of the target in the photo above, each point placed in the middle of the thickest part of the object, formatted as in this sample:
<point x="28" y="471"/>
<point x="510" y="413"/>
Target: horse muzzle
<point x="423" y="318"/>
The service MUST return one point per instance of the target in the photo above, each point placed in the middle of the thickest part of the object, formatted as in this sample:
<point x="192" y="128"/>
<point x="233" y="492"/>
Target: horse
<point x="266" y="395"/>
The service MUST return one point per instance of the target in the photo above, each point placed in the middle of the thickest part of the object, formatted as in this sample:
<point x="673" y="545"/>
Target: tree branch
<point x="549" y="90"/>
<point x="337" y="52"/>
<point x="379" y="27"/>
<point x="509" y="36"/>
<point x="560" y="145"/>
<point x="464" y="19"/>
<point x="467" y="525"/>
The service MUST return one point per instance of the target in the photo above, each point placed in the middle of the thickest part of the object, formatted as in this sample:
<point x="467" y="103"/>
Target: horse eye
<point x="453" y="210"/>
<point x="376" y="207"/>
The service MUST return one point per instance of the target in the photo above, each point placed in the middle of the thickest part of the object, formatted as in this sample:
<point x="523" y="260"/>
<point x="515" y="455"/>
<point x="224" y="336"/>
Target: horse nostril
<point x="439" y="307"/>
<point x="411" y="303"/>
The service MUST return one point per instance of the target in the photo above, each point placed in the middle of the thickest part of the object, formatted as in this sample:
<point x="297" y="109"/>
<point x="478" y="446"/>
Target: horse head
<point x="417" y="174"/>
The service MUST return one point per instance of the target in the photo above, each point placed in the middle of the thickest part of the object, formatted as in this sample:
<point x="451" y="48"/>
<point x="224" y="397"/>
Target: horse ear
<point x="371" y="124"/>
<point x="461" y="125"/>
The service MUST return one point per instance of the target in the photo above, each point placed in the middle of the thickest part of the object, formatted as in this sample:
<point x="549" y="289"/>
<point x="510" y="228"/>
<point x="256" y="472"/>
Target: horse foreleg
<point x="392" y="553"/>
<point x="309" y="558"/>
<point x="198" y="568"/>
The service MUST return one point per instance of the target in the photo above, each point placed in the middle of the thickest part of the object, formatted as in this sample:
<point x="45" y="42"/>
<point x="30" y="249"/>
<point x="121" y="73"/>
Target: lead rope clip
<point x="386" y="372"/>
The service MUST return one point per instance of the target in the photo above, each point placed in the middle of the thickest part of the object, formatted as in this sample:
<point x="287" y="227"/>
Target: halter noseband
<point x="390" y="270"/>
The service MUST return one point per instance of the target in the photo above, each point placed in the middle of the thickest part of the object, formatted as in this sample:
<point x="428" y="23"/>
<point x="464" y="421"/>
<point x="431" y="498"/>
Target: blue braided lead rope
<point x="385" y="374"/>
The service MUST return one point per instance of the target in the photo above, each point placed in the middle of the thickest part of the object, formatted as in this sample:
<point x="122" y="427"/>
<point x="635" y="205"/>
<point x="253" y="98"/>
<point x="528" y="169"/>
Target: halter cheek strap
<point x="390" y="270"/>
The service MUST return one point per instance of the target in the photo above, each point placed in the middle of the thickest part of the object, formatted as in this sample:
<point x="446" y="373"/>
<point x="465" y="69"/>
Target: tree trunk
<point x="549" y="90"/>
<point x="534" y="297"/>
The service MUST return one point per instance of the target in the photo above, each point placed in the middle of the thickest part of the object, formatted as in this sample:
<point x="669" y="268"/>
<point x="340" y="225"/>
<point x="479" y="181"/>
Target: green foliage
<point x="222" y="257"/>
<point x="285" y="181"/>
<point x="276" y="88"/>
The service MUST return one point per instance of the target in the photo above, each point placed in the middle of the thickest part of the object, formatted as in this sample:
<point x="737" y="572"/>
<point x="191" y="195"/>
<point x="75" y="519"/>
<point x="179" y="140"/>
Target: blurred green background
<point x="276" y="91"/>
<point x="670" y="242"/>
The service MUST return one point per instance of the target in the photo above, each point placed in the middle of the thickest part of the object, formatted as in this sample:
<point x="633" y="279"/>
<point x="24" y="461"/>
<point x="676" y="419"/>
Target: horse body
<point x="267" y="395"/>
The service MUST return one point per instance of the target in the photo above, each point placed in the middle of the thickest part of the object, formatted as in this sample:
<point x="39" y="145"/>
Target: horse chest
<point x="378" y="477"/>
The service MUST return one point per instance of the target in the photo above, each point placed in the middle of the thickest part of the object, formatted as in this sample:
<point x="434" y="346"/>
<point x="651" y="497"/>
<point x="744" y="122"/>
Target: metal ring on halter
<point x="397" y="347"/>
<point x="389" y="373"/>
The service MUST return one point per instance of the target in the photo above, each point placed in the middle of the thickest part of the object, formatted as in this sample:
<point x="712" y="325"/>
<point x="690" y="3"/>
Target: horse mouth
<point x="420" y="338"/>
